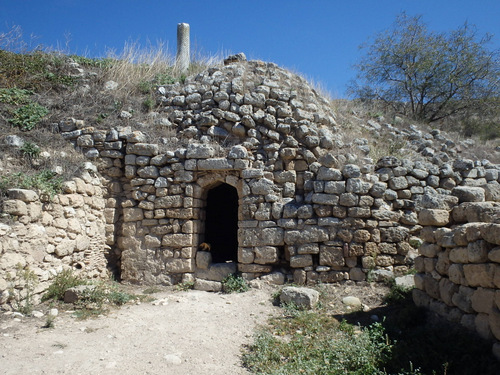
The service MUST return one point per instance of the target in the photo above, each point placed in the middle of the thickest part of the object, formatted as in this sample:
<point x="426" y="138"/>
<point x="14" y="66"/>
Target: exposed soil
<point x="190" y="332"/>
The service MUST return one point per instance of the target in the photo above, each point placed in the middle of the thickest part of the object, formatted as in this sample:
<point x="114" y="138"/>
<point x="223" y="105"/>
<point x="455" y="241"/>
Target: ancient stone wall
<point x="45" y="235"/>
<point x="307" y="217"/>
<point x="307" y="211"/>
<point x="459" y="265"/>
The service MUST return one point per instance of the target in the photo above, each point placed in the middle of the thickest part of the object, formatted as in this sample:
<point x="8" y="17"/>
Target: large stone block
<point x="491" y="233"/>
<point x="459" y="255"/>
<point x="477" y="251"/>
<point x="331" y="256"/>
<point x="65" y="247"/>
<point x="421" y="298"/>
<point x="266" y="255"/>
<point x="15" y="207"/>
<point x="216" y="271"/>
<point x="326" y="199"/>
<point x="480" y="274"/>
<point x="23" y="195"/>
<point x="483" y="300"/>
<point x="249" y="237"/>
<point x="394" y="234"/>
<point x="301" y="297"/>
<point x="308" y="248"/>
<point x="171" y="201"/>
<point x="462" y="299"/>
<point x="133" y="214"/>
<point x="254" y="268"/>
<point x="446" y="290"/>
<point x="309" y="234"/>
<point x="429" y="250"/>
<point x="177" y="240"/>
<point x="301" y="261"/>
<point x="179" y="265"/>
<point x="199" y="151"/>
<point x="433" y="217"/>
<point x="218" y="164"/>
<point x="207" y="285"/>
<point x="144" y="149"/>
<point x="468" y="194"/>
<point x="456" y="274"/>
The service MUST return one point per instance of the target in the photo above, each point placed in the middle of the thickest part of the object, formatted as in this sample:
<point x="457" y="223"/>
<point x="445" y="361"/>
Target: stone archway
<point x="221" y="223"/>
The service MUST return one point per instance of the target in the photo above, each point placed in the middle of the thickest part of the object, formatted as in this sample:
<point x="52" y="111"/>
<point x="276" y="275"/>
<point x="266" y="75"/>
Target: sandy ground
<point x="189" y="332"/>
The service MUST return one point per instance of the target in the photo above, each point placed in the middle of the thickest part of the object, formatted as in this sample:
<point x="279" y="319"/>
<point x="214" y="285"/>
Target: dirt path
<point x="180" y="333"/>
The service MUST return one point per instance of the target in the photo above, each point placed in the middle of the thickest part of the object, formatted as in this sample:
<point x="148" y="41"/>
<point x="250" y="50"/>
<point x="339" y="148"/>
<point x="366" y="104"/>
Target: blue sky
<point x="317" y="38"/>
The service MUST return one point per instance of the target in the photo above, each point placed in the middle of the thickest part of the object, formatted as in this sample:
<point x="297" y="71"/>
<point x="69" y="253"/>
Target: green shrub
<point x="61" y="283"/>
<point x="30" y="150"/>
<point x="28" y="116"/>
<point x="15" y="96"/>
<point x="49" y="322"/>
<point x="148" y="104"/>
<point x="234" y="284"/>
<point x="48" y="182"/>
<point x="186" y="285"/>
<point x="164" y="79"/>
<point x="119" y="298"/>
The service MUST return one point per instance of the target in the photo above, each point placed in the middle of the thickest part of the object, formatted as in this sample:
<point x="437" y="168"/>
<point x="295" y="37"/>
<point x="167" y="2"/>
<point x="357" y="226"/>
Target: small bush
<point x="187" y="285"/>
<point x="234" y="284"/>
<point x="28" y="116"/>
<point x="30" y="150"/>
<point x="61" y="283"/>
<point x="22" y="288"/>
<point x="49" y="323"/>
<point x="119" y="298"/>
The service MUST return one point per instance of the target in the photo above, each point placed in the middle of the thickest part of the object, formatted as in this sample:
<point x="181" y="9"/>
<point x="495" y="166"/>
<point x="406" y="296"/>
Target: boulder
<point x="301" y="297"/>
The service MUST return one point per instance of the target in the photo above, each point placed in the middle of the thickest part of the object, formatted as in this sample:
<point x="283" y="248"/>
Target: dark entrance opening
<point x="221" y="223"/>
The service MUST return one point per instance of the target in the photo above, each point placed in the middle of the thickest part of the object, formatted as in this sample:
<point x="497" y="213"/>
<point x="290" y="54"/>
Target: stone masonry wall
<point x="328" y="222"/>
<point x="459" y="265"/>
<point x="49" y="235"/>
<point x="306" y="210"/>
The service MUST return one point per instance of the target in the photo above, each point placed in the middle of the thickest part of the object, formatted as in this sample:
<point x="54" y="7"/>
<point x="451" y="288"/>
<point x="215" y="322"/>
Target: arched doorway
<point x="221" y="223"/>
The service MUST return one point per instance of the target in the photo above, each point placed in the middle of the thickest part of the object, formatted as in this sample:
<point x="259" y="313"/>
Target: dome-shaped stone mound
<point x="264" y="108"/>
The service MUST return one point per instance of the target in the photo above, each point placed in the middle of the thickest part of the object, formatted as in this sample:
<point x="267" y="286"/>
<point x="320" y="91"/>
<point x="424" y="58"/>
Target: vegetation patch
<point x="28" y="116"/>
<point x="46" y="181"/>
<point x="315" y="343"/>
<point x="234" y="284"/>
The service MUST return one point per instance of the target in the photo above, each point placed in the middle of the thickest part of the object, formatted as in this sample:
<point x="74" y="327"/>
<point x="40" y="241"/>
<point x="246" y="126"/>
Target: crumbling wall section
<point x="459" y="265"/>
<point x="46" y="235"/>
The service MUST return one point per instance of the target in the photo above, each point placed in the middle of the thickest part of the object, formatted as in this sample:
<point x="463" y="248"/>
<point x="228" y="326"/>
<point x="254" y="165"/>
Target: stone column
<point x="182" y="59"/>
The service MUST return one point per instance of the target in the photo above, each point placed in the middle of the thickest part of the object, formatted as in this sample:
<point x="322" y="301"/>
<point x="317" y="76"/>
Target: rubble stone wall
<point x="306" y="216"/>
<point x="459" y="266"/>
<point x="46" y="235"/>
<point x="307" y="210"/>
